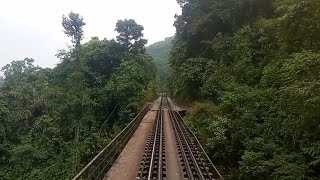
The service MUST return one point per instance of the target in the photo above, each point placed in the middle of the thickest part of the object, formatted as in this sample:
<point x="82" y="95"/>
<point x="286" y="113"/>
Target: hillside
<point x="253" y="67"/>
<point x="160" y="52"/>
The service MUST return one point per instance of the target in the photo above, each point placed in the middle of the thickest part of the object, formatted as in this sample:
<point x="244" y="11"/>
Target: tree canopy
<point x="253" y="66"/>
<point x="130" y="36"/>
<point x="54" y="121"/>
<point x="251" y="69"/>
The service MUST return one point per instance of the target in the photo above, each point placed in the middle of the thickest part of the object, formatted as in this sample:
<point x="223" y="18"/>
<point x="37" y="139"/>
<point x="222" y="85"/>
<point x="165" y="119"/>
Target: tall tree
<point x="73" y="24"/>
<point x="102" y="58"/>
<point x="130" y="36"/>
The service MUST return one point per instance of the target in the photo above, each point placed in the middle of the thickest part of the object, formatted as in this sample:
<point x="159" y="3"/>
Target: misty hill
<point x="160" y="51"/>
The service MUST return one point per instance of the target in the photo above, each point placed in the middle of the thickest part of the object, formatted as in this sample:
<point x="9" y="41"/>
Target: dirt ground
<point x="128" y="163"/>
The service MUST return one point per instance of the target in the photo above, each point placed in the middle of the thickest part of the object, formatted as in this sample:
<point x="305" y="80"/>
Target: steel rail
<point x="154" y="145"/>
<point x="192" y="151"/>
<point x="157" y="137"/>
<point x="185" y="159"/>
<point x="202" y="149"/>
<point x="160" y="175"/>
<point x="183" y="136"/>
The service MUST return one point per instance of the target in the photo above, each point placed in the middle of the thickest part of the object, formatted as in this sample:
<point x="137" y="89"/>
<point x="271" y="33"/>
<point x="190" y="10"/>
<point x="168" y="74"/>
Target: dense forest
<point x="253" y="66"/>
<point x="250" y="67"/>
<point x="54" y="121"/>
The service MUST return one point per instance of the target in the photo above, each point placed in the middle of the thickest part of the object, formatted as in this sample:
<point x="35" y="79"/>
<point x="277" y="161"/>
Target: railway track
<point x="194" y="162"/>
<point x="153" y="161"/>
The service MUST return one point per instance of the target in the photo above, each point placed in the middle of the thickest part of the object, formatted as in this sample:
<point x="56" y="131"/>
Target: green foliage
<point x="189" y="77"/>
<point x="130" y="36"/>
<point x="26" y="86"/>
<point x="54" y="121"/>
<point x="131" y="80"/>
<point x="258" y="64"/>
<point x="4" y="139"/>
<point x="296" y="19"/>
<point x="102" y="58"/>
<point x="1" y="81"/>
<point x="160" y="52"/>
<point x="73" y="24"/>
<point x="205" y="119"/>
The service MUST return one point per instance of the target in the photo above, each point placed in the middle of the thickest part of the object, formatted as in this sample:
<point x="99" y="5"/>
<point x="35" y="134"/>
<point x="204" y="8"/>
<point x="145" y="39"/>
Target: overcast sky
<point x="32" y="28"/>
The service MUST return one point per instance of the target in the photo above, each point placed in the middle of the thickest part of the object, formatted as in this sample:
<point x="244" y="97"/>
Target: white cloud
<point x="33" y="28"/>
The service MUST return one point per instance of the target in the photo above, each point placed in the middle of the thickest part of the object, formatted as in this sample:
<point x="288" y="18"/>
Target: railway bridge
<point x="155" y="145"/>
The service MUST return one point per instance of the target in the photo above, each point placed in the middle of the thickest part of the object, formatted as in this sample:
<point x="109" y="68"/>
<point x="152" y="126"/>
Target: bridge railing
<point x="99" y="165"/>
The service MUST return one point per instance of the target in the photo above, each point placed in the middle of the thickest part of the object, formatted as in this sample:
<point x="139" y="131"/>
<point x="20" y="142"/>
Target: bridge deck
<point x="128" y="163"/>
